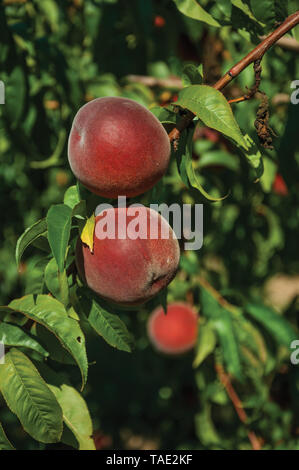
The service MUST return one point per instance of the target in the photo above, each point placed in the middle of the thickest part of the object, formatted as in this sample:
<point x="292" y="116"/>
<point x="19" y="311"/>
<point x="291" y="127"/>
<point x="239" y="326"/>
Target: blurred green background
<point x="57" y="55"/>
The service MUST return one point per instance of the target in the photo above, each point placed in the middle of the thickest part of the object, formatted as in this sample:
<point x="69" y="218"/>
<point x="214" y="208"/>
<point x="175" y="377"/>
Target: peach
<point x="279" y="186"/>
<point x="174" y="332"/>
<point x="117" y="147"/>
<point x="125" y="270"/>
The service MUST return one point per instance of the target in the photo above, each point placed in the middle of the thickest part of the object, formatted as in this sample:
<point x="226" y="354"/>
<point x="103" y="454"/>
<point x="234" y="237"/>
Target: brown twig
<point x="256" y="54"/>
<point x="237" y="403"/>
<point x="288" y="43"/>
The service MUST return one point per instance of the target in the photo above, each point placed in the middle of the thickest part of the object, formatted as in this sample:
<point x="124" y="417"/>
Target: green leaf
<point x="276" y="325"/>
<point x="13" y="335"/>
<point x="165" y="115"/>
<point x="29" y="397"/>
<point x="270" y="169"/>
<point x="51" y="13"/>
<point x="253" y="155"/>
<point x="269" y="12"/>
<point x="75" y="415"/>
<point x="186" y="168"/>
<point x="59" y="226"/>
<point x="4" y="442"/>
<point x="181" y="155"/>
<point x="71" y="197"/>
<point x="244" y="7"/>
<point x="79" y="211"/>
<point x="74" y="408"/>
<point x="57" y="282"/>
<point x="34" y="279"/>
<point x="206" y="343"/>
<point x="219" y="157"/>
<point x="52" y="315"/>
<point x="51" y="278"/>
<point x="110" y="327"/>
<point x="192" y="75"/>
<point x="72" y="200"/>
<point x="8" y="316"/>
<point x="15" y="93"/>
<point x="192" y="9"/>
<point x="50" y="342"/>
<point x="29" y="236"/>
<point x="205" y="428"/>
<point x="221" y="321"/>
<point x="212" y="109"/>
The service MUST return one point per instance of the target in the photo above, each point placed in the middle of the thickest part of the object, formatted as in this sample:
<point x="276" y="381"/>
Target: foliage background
<point x="55" y="56"/>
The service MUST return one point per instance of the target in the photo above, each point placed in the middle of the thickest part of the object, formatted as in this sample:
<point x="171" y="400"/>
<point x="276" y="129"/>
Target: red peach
<point x="159" y="21"/>
<point x="174" y="332"/>
<point x="279" y="186"/>
<point x="129" y="271"/>
<point x="117" y="147"/>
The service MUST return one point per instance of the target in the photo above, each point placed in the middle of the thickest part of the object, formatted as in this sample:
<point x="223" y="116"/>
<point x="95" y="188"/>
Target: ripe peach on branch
<point x="129" y="270"/>
<point x="117" y="147"/>
<point x="176" y="331"/>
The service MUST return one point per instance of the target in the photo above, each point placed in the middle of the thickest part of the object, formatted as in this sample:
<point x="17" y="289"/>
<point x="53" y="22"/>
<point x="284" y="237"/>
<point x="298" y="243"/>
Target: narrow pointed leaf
<point x="29" y="397"/>
<point x="110" y="327"/>
<point x="52" y="315"/>
<point x="59" y="226"/>
<point x="206" y="343"/>
<point x="29" y="236"/>
<point x="13" y="335"/>
<point x="277" y="325"/>
<point x="74" y="408"/>
<point x="212" y="109"/>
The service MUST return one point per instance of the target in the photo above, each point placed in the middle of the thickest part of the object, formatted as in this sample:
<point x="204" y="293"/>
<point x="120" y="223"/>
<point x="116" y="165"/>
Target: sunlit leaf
<point x="74" y="408"/>
<point x="205" y="345"/>
<point x="193" y="9"/>
<point x="59" y="227"/>
<point x="13" y="335"/>
<point x="52" y="315"/>
<point x="29" y="397"/>
<point x="87" y="234"/>
<point x="110" y="327"/>
<point x="212" y="109"/>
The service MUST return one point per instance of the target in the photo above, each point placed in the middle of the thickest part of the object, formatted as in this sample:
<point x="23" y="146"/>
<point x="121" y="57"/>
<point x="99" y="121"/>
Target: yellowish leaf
<point x="87" y="233"/>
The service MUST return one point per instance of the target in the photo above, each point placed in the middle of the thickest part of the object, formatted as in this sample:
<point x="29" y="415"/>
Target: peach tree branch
<point x="255" y="55"/>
